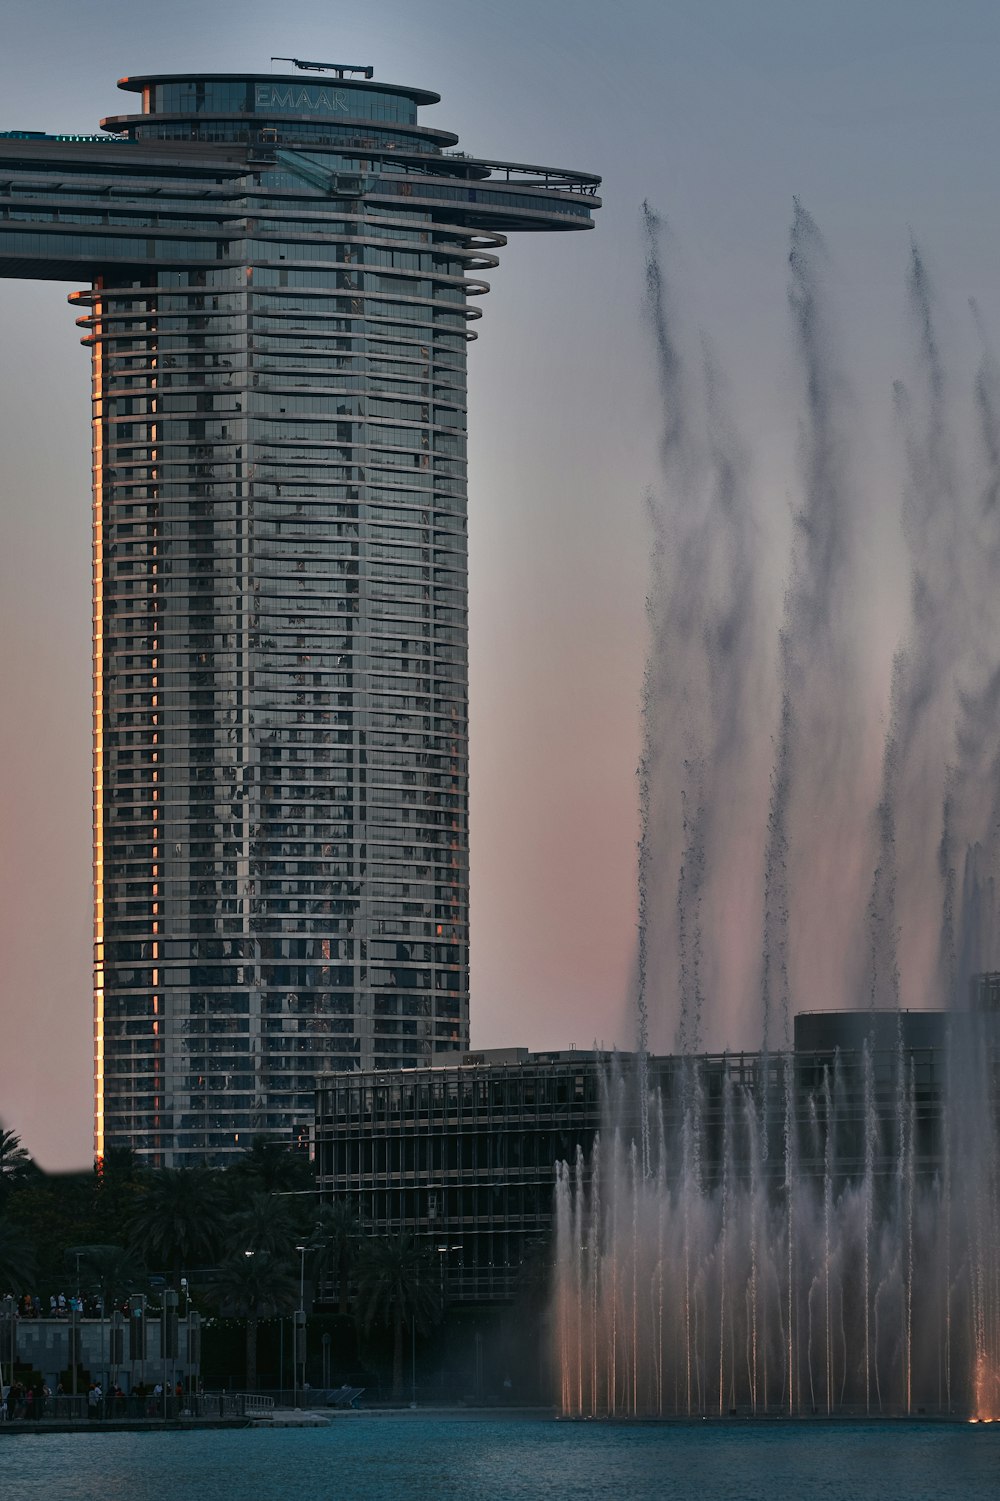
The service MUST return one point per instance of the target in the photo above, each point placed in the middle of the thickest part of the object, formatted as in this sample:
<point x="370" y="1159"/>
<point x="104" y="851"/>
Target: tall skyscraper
<point x="281" y="272"/>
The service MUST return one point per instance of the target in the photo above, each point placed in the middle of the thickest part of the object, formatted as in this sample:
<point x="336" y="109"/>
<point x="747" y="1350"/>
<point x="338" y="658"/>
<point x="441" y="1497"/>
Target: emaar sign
<point x="295" y="97"/>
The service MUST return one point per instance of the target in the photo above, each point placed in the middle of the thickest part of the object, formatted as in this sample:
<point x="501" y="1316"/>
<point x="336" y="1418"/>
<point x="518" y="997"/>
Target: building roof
<point x="135" y="83"/>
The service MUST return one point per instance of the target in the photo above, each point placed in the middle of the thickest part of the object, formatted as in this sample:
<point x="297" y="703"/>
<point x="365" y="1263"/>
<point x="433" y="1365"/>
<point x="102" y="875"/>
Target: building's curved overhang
<point x="136" y="83"/>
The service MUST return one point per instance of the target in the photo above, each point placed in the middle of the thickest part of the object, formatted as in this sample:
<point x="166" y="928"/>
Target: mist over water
<point x="817" y="831"/>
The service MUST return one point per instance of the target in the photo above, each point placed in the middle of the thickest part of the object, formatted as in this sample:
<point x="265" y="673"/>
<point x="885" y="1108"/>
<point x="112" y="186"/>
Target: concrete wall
<point x="43" y="1344"/>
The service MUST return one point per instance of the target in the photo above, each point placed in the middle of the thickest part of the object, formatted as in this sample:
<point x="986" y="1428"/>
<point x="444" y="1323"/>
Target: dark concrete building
<point x="460" y="1154"/>
<point x="463" y="1154"/>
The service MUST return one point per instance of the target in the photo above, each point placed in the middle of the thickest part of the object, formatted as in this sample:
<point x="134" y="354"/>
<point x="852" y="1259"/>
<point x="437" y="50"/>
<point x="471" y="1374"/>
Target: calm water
<point x="414" y="1458"/>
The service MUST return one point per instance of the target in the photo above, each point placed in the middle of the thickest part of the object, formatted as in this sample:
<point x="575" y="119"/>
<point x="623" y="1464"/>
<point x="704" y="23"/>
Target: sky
<point x="882" y="114"/>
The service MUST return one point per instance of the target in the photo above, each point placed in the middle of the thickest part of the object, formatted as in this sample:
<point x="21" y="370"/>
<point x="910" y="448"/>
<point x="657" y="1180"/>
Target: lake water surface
<point x="417" y="1457"/>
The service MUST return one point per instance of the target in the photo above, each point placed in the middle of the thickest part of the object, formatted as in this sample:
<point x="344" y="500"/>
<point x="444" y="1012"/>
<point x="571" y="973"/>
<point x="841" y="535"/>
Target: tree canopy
<point x="180" y="1219"/>
<point x="16" y="1166"/>
<point x="398" y="1287"/>
<point x="253" y="1286"/>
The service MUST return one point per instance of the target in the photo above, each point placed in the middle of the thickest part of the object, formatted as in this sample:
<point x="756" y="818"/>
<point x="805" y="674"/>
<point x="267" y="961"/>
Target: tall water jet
<point x="702" y="684"/>
<point x="815" y="1229"/>
<point x="815" y="760"/>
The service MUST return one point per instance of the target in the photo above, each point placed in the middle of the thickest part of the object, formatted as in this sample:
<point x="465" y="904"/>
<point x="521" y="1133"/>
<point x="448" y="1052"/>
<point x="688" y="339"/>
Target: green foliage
<point x="110" y="1272"/>
<point x="265" y="1223"/>
<point x="336" y="1239"/>
<point x="117" y="1183"/>
<point x="17" y="1266"/>
<point x="179" y="1220"/>
<point x="534" y="1280"/>
<point x="52" y="1213"/>
<point x="125" y="1220"/>
<point x="269" y="1167"/>
<point x="252" y="1287"/>
<point x="397" y="1280"/>
<point x="16" y="1166"/>
<point x="257" y="1286"/>
<point x="397" y="1286"/>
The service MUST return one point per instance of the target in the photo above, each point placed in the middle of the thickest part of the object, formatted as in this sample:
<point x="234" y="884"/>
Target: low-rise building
<point x="463" y="1155"/>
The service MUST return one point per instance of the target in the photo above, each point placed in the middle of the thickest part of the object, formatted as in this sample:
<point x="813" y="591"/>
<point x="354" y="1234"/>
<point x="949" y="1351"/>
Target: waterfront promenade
<point x="62" y="1414"/>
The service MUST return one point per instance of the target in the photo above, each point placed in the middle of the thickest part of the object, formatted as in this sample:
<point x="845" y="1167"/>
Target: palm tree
<point x="270" y="1167"/>
<point x="254" y="1286"/>
<point x="16" y="1272"/>
<point x="336" y="1241"/>
<point x="396" y="1287"/>
<point x="16" y="1166"/>
<point x="111" y="1271"/>
<point x="17" y="1264"/>
<point x="180" y="1219"/>
<point x="119" y="1181"/>
<point x="265" y="1223"/>
<point x="533" y="1287"/>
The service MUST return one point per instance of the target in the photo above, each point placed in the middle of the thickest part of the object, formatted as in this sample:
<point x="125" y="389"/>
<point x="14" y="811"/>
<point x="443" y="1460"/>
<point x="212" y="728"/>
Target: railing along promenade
<point x="202" y="1406"/>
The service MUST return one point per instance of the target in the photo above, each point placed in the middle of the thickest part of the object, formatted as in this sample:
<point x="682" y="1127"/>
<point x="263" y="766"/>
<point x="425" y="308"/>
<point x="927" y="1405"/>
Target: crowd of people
<point x="23" y="1401"/>
<point x="59" y="1306"/>
<point x="26" y="1402"/>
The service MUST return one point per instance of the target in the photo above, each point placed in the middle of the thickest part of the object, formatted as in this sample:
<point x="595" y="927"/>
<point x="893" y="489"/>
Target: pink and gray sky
<point x="882" y="114"/>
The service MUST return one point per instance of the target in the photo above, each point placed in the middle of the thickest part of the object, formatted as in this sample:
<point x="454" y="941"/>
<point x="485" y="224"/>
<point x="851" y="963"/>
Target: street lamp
<point x="248" y="1255"/>
<point x="104" y="1347"/>
<point x="74" y="1341"/>
<point x="442" y="1253"/>
<point x="9" y="1309"/>
<point x="413" y="1355"/>
<point x="299" y="1351"/>
<point x="194" y="1350"/>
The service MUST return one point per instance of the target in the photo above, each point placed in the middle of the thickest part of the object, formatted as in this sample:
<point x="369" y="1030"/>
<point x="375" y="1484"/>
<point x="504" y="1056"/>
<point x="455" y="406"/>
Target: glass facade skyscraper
<point x="281" y="278"/>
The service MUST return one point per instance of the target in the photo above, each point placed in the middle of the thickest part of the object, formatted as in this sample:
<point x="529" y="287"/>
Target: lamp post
<point x="117" y="1343"/>
<point x="413" y="1357"/>
<point x="10" y="1315"/>
<point x="299" y="1352"/>
<point x="248" y="1254"/>
<point x="74" y="1342"/>
<point x="194" y="1350"/>
<point x="444" y="1251"/>
<point x="169" y="1348"/>
<point x="75" y="1317"/>
<point x="186" y="1316"/>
